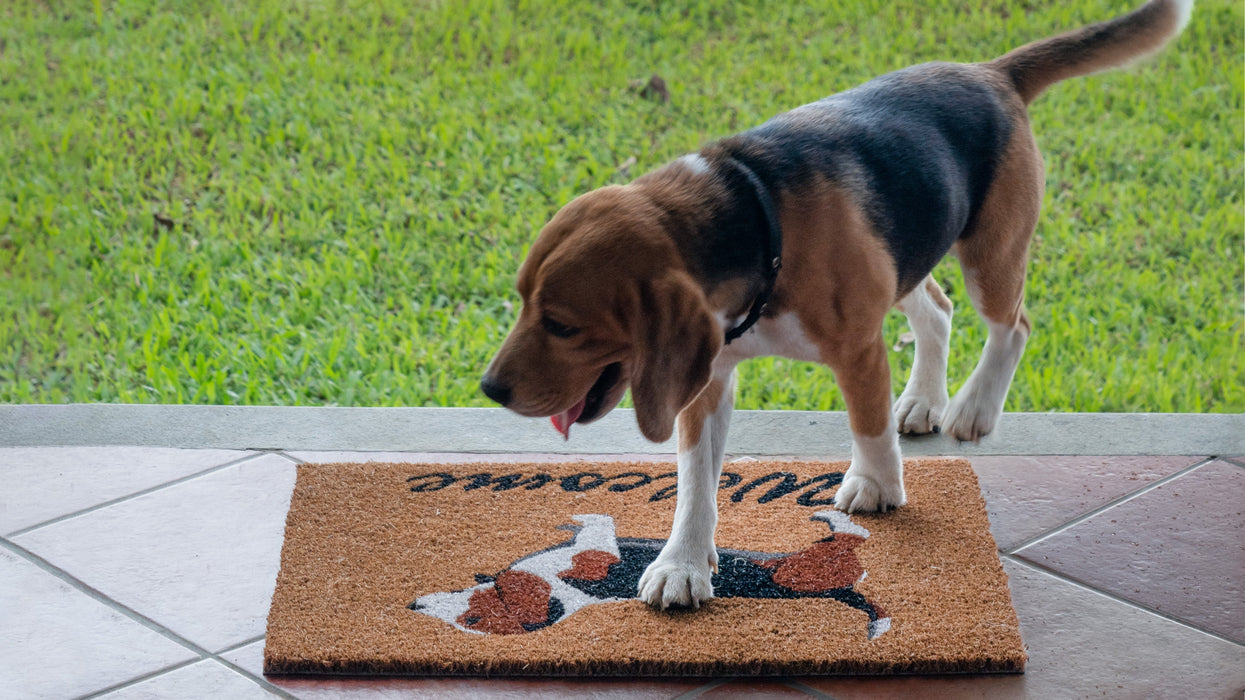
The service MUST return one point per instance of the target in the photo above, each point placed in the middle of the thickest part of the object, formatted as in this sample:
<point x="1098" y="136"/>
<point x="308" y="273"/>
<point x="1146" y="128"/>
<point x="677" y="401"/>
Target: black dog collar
<point x="773" y="251"/>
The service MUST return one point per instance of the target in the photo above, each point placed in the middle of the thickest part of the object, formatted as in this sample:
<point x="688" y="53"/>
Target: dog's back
<point x="920" y="147"/>
<point x="916" y="147"/>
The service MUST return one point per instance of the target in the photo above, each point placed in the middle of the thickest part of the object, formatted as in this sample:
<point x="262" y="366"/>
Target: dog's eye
<point x="558" y="329"/>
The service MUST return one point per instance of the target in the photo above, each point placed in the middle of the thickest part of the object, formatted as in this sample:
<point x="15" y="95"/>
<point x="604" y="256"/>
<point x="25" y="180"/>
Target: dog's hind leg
<point x="920" y="406"/>
<point x="682" y="574"/>
<point x="879" y="620"/>
<point x="993" y="256"/>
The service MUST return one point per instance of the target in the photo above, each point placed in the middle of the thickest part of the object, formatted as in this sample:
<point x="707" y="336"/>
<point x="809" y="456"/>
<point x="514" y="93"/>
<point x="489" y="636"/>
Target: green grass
<point x="277" y="202"/>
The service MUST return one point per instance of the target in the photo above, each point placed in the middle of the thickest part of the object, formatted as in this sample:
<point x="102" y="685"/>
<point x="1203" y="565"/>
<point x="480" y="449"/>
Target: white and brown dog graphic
<point x="596" y="566"/>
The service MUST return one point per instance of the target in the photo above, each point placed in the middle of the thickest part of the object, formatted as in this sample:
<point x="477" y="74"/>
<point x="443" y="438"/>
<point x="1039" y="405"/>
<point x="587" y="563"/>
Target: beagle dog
<point x="795" y="238"/>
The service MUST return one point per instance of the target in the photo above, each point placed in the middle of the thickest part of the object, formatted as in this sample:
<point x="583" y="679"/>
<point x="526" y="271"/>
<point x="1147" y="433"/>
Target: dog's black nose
<point x="495" y="390"/>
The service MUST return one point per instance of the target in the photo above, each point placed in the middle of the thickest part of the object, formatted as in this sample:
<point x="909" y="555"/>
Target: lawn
<point x="310" y="203"/>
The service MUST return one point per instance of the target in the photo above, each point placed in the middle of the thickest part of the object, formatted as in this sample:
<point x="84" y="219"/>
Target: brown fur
<point x="937" y="295"/>
<point x="994" y="253"/>
<point x="840" y="282"/>
<point x="692" y="419"/>
<point x="1036" y="66"/>
<point x="673" y="347"/>
<point x="638" y="308"/>
<point x="548" y="374"/>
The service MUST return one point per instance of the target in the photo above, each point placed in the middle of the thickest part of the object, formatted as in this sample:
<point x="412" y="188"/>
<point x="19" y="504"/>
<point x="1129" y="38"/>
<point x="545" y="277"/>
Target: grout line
<point x="1059" y="529"/>
<point x="283" y="453"/>
<point x="697" y="692"/>
<point x="125" y="611"/>
<point x="808" y="690"/>
<point x="236" y="646"/>
<point x="1117" y="598"/>
<point x="262" y="682"/>
<point x="259" y="680"/>
<point x="130" y="496"/>
<point x="1234" y="461"/>
<point x="99" y="597"/>
<point x="138" y="679"/>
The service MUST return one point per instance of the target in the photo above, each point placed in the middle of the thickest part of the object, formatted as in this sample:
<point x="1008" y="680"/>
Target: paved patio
<point x="139" y="546"/>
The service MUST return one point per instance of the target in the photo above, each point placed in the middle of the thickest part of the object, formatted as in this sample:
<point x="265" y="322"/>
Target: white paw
<point x="674" y="582"/>
<point x="918" y="415"/>
<point x="861" y="494"/>
<point x="969" y="419"/>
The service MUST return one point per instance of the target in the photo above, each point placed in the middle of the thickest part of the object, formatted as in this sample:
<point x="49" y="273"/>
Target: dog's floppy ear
<point x="675" y="340"/>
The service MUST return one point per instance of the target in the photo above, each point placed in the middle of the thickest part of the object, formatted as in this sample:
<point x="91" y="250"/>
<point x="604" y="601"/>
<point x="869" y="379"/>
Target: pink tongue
<point x="562" y="421"/>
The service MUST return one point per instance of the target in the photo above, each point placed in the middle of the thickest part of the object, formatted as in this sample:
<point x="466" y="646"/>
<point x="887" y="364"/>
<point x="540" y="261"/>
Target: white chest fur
<point x="782" y="335"/>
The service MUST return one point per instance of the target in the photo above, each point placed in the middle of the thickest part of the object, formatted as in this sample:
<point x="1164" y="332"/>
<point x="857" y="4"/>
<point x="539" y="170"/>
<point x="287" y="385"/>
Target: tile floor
<point x="147" y="572"/>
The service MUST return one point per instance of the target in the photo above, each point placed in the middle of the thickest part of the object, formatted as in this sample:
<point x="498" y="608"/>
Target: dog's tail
<point x="1034" y="67"/>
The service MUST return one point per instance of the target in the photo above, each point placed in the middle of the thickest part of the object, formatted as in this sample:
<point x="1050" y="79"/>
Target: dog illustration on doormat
<point x="596" y="566"/>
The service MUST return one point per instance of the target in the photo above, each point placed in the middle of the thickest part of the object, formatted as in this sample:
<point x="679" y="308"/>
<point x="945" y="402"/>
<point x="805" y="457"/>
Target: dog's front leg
<point x="682" y="574"/>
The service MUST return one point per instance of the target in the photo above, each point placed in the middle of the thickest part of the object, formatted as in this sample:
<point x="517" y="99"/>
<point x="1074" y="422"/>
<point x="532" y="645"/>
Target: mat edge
<point x="1003" y="666"/>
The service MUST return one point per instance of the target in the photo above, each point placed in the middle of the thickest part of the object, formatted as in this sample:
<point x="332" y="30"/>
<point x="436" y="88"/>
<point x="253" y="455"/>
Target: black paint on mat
<point x="530" y="569"/>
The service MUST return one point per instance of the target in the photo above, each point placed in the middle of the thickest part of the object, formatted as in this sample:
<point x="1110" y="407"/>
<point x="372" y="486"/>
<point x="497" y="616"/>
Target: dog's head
<point x="607" y="304"/>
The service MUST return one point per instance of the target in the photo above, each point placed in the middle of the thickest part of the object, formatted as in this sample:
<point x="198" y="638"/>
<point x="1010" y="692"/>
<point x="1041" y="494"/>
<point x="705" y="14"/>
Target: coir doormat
<point x="531" y="569"/>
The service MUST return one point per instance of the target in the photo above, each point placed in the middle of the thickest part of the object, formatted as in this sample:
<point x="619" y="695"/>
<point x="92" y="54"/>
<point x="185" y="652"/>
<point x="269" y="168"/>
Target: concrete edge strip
<point x="494" y="430"/>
